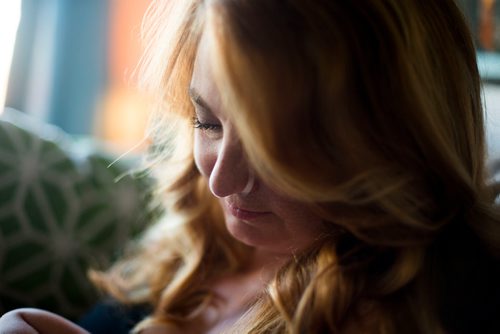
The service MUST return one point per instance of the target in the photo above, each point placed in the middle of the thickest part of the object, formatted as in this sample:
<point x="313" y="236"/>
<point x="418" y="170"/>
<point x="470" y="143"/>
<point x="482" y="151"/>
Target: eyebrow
<point x="196" y="98"/>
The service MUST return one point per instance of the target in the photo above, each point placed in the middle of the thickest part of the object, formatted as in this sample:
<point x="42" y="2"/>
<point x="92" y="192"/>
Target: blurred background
<point x="67" y="203"/>
<point x="70" y="63"/>
<point x="483" y="17"/>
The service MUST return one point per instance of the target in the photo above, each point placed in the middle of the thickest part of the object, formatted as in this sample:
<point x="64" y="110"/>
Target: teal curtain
<point x="59" y="69"/>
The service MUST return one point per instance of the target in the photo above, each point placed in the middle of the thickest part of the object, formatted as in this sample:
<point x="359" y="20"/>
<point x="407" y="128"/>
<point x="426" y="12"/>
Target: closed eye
<point x="205" y="126"/>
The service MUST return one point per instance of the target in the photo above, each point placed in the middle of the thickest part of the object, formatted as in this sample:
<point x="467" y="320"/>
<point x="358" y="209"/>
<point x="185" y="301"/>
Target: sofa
<point x="66" y="206"/>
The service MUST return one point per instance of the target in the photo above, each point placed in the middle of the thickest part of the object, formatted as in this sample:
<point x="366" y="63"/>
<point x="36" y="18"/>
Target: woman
<point x="322" y="166"/>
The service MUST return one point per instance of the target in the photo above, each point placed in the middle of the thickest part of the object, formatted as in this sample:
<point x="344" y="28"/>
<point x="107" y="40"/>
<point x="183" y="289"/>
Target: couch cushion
<point x="63" y="209"/>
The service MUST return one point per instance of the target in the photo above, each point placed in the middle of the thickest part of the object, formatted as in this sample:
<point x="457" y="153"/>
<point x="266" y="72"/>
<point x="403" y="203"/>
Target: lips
<point x="245" y="214"/>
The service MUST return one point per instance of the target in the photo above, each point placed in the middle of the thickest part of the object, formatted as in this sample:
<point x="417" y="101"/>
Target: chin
<point x="260" y="236"/>
<point x="242" y="231"/>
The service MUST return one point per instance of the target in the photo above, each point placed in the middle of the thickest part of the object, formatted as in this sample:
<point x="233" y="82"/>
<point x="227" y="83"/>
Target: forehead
<point x="202" y="80"/>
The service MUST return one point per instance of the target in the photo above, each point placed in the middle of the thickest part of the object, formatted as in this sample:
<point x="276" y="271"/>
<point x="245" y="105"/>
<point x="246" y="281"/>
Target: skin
<point x="255" y="214"/>
<point x="32" y="321"/>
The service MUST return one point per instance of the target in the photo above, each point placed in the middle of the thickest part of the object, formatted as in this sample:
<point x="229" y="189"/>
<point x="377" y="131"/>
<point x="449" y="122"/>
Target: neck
<point x="265" y="262"/>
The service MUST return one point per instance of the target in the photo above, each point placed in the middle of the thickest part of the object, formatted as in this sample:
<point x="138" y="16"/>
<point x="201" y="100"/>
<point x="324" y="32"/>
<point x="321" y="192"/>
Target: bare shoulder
<point x="31" y="321"/>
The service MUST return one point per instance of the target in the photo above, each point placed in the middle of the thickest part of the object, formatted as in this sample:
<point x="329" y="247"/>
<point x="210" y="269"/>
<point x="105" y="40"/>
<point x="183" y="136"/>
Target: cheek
<point x="205" y="154"/>
<point x="299" y="217"/>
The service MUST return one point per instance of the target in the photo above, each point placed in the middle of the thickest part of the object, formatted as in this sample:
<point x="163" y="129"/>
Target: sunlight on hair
<point x="10" y="14"/>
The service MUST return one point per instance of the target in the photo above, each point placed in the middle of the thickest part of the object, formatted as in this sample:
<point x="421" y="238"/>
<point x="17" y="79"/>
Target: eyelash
<point x="205" y="126"/>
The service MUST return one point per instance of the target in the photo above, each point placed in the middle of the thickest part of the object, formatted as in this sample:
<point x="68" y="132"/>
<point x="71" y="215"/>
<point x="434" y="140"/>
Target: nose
<point x="231" y="173"/>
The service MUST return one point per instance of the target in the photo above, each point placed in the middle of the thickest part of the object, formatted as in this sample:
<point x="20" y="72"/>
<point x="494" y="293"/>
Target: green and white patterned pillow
<point x="63" y="209"/>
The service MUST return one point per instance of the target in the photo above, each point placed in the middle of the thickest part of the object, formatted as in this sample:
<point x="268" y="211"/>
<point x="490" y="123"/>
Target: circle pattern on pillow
<point x="62" y="211"/>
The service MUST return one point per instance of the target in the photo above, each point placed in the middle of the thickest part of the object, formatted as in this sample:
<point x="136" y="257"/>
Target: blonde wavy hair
<point x="370" y="110"/>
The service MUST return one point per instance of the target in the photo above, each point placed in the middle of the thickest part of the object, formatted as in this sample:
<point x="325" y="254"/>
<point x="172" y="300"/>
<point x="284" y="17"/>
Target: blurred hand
<point x="34" y="321"/>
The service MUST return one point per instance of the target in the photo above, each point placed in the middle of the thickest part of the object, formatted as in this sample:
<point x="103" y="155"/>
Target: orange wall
<point x="123" y="114"/>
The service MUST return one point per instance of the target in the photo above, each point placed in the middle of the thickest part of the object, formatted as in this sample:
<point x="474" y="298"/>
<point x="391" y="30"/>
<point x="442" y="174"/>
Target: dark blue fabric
<point x="112" y="317"/>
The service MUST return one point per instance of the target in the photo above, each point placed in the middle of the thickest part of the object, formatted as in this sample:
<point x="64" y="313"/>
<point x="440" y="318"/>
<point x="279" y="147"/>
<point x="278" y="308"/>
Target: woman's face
<point x="255" y="214"/>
